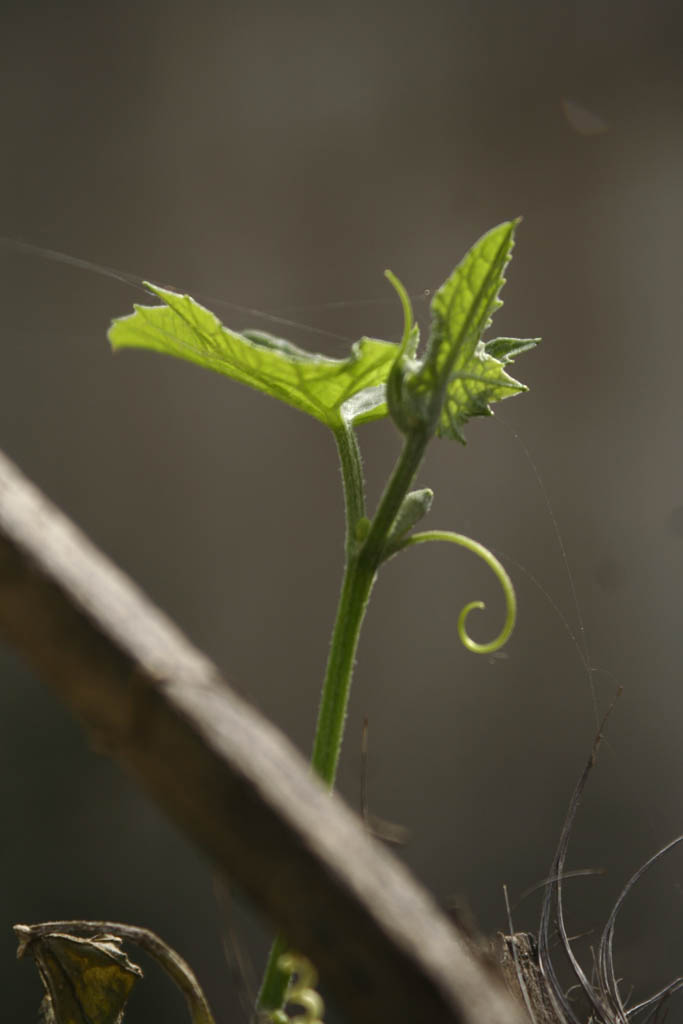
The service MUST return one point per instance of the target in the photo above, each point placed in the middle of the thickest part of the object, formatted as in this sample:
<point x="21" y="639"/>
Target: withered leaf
<point x="87" y="981"/>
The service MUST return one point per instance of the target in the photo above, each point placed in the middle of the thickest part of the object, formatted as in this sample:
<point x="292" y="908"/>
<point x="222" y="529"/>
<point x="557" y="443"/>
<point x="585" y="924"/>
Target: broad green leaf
<point x="312" y="383"/>
<point x="460" y="375"/>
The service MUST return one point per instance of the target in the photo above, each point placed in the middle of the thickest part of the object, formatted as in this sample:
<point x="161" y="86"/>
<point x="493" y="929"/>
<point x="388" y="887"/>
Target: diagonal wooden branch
<point x="229" y="779"/>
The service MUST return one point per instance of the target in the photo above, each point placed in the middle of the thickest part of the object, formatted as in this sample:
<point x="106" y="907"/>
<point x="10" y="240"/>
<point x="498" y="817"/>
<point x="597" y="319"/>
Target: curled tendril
<point x="501" y="576"/>
<point x="301" y="991"/>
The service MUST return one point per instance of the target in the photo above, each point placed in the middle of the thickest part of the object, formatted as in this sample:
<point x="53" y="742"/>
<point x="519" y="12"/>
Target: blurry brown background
<point x="280" y="156"/>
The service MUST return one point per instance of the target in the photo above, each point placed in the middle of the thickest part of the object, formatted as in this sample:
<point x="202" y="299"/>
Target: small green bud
<point x="414" y="507"/>
<point x="362" y="529"/>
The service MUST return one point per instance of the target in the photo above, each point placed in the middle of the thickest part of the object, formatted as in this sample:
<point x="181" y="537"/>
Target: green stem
<point x="352" y="479"/>
<point x="362" y="561"/>
<point x="398" y="486"/>
<point x="275" y="980"/>
<point x="358" y="581"/>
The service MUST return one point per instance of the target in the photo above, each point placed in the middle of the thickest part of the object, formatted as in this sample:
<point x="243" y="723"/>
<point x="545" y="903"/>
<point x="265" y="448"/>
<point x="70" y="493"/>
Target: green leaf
<point x="473" y="384"/>
<point x="368" y="404"/>
<point x="463" y="306"/>
<point x="460" y="375"/>
<point x="507" y="349"/>
<point x="312" y="383"/>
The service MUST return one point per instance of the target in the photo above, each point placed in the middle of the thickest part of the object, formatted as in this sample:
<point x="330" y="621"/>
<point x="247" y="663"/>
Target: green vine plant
<point x="427" y="394"/>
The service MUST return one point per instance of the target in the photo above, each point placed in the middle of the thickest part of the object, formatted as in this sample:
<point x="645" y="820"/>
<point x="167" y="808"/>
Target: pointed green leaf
<point x="464" y="304"/>
<point x="507" y="349"/>
<point x="312" y="383"/>
<point x="462" y="310"/>
<point x="460" y="375"/>
<point x="472" y="386"/>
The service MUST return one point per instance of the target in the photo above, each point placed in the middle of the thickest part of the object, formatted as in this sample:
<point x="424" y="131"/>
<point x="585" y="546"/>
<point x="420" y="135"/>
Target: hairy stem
<point x="362" y="561"/>
<point x="358" y="581"/>
<point x="353" y="482"/>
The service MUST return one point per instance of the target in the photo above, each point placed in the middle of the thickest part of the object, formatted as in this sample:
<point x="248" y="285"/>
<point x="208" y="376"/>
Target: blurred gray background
<point x="279" y="157"/>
